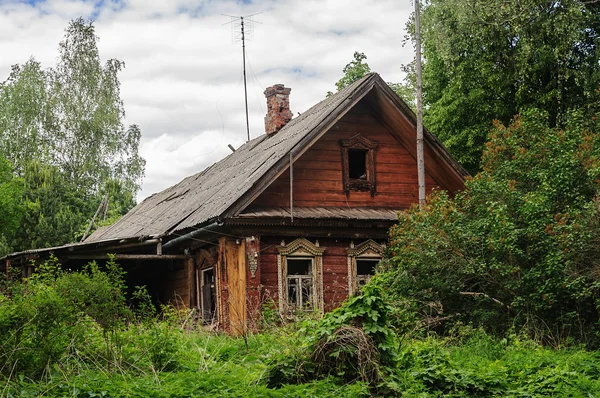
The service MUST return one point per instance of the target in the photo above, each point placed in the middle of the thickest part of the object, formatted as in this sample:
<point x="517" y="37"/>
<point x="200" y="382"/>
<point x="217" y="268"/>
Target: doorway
<point x="208" y="295"/>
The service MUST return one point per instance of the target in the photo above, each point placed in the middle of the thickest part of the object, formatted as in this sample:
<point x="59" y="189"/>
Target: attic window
<point x="358" y="164"/>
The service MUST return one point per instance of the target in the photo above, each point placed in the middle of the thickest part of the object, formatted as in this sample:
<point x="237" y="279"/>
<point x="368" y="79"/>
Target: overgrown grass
<point x="194" y="362"/>
<point x="70" y="334"/>
<point x="197" y="362"/>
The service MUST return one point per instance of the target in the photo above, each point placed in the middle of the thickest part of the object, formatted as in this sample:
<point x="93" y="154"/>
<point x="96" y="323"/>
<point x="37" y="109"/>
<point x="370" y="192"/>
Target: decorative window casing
<point x="362" y="259"/>
<point x="358" y="164"/>
<point x="300" y="276"/>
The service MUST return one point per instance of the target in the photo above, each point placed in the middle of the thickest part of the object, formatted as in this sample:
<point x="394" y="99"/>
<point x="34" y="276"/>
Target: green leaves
<point x="11" y="209"/>
<point x="62" y="130"/>
<point x="353" y="71"/>
<point x="518" y="247"/>
<point x="490" y="60"/>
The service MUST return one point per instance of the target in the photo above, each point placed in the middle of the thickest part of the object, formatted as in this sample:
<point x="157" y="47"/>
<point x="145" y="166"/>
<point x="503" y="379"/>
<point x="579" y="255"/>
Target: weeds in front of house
<point x="72" y="335"/>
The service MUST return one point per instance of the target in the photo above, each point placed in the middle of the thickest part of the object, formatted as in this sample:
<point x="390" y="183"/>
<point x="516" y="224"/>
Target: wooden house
<point x="296" y="218"/>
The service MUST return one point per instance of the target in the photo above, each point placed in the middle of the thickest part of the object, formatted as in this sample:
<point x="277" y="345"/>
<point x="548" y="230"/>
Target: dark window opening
<point x="366" y="267"/>
<point x="299" y="266"/>
<point x="208" y="297"/>
<point x="300" y="283"/>
<point x="357" y="164"/>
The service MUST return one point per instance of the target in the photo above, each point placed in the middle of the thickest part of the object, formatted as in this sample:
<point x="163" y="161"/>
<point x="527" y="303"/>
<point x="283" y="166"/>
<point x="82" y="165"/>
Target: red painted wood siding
<point x="335" y="269"/>
<point x="318" y="172"/>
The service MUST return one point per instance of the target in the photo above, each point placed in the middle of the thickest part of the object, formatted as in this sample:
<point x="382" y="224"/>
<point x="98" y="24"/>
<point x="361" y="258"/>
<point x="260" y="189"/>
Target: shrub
<point x="353" y="342"/>
<point x="47" y="316"/>
<point x="519" y="248"/>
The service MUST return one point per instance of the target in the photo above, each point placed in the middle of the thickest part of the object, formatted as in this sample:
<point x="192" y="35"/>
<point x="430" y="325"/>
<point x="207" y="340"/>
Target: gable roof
<point x="228" y="186"/>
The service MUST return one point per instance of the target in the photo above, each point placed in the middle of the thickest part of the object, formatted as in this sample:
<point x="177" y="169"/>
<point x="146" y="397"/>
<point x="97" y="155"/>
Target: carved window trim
<point x="300" y="248"/>
<point x="367" y="250"/>
<point x="358" y="142"/>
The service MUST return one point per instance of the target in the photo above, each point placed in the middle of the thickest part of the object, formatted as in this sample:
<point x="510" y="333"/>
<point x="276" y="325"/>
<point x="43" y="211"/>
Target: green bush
<point x="47" y="317"/>
<point x="355" y="342"/>
<point x="519" y="247"/>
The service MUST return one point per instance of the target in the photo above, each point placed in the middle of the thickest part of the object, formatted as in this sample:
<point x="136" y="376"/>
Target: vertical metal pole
<point x="245" y="88"/>
<point x="291" y="187"/>
<point x="420" y="156"/>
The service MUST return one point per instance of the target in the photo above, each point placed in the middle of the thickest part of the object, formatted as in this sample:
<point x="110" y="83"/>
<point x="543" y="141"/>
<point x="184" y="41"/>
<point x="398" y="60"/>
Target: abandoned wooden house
<point x="297" y="217"/>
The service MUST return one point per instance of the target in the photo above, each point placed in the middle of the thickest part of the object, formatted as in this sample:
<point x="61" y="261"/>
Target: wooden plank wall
<point x="318" y="172"/>
<point x="232" y="275"/>
<point x="179" y="284"/>
<point x="335" y="269"/>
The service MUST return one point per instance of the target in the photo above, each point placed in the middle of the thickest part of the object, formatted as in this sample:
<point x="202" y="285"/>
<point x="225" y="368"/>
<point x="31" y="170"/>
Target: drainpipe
<point x="215" y="226"/>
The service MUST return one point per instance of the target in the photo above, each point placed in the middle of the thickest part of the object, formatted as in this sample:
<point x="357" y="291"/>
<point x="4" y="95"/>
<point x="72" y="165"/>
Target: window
<point x="358" y="164"/>
<point x="365" y="269"/>
<point x="362" y="262"/>
<point x="300" y="283"/>
<point x="300" y="276"/>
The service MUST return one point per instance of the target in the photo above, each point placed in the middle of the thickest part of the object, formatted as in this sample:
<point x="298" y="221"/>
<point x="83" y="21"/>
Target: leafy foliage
<point x="359" y="68"/>
<point x="46" y="316"/>
<point x="353" y="71"/>
<point x="11" y="210"/>
<point x="62" y="131"/>
<point x="356" y="341"/>
<point x="55" y="344"/>
<point x="519" y="247"/>
<point x="488" y="61"/>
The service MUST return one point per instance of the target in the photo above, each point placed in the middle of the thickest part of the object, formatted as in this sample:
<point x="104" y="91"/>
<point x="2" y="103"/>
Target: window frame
<point x="368" y="250"/>
<point x="361" y="143"/>
<point x="299" y="306"/>
<point x="300" y="248"/>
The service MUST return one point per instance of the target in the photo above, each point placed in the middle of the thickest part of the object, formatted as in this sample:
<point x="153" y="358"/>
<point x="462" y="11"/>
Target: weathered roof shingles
<point x="208" y="194"/>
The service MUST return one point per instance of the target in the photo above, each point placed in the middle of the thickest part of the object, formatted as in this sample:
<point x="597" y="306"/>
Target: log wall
<point x="178" y="288"/>
<point x="318" y="172"/>
<point x="335" y="269"/>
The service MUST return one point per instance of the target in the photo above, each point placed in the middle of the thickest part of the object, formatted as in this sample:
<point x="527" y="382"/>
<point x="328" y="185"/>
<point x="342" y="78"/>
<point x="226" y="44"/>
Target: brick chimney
<point x="278" y="108"/>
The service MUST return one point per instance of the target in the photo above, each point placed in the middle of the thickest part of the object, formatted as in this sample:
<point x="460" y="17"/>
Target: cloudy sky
<point x="183" y="78"/>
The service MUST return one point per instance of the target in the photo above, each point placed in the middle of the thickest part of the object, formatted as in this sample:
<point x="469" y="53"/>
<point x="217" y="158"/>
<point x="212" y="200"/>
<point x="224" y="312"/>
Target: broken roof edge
<point x="78" y="245"/>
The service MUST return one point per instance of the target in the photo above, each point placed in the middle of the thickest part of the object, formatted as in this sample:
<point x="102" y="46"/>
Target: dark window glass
<point x="299" y="266"/>
<point x="307" y="287"/>
<point x="357" y="164"/>
<point x="293" y="291"/>
<point x="366" y="267"/>
<point x="300" y="283"/>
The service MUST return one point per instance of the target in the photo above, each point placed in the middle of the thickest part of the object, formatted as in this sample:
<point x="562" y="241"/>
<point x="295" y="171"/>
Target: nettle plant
<point x="519" y="247"/>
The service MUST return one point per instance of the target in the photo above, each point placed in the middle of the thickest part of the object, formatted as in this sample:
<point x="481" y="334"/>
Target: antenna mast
<point x="244" y="29"/>
<point x="245" y="85"/>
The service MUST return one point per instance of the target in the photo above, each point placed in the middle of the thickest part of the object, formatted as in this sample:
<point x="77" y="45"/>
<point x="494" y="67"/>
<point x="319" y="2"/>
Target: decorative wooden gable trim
<point x="300" y="247"/>
<point x="367" y="249"/>
<point x="358" y="143"/>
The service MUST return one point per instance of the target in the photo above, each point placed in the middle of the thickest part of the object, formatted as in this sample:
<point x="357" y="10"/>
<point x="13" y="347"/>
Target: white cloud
<point x="182" y="81"/>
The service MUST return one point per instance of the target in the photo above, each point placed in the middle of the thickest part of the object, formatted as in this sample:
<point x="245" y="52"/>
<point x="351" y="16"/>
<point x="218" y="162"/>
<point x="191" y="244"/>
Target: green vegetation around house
<point x="90" y="342"/>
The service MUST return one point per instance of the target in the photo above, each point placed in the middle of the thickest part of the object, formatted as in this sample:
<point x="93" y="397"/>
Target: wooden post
<point x="232" y="280"/>
<point x="253" y="282"/>
<point x="420" y="157"/>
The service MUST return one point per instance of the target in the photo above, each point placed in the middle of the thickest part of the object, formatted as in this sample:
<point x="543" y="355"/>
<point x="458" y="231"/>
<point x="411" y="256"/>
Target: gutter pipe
<point x="215" y="226"/>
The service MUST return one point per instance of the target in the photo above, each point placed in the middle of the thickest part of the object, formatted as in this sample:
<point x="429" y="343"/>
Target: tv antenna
<point x="242" y="28"/>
